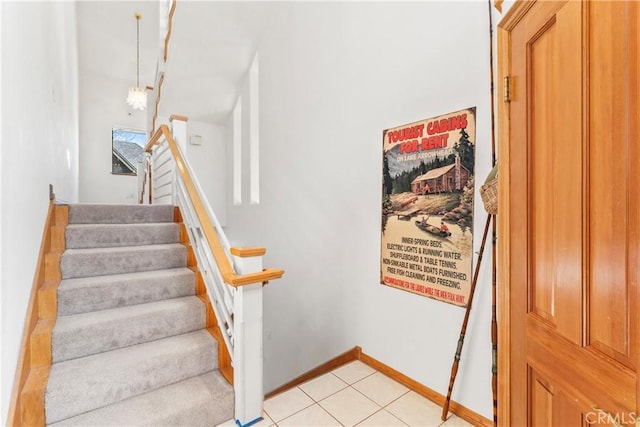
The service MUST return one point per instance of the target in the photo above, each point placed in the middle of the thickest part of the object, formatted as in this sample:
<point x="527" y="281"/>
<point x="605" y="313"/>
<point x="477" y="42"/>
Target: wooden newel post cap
<point x="178" y="117"/>
<point x="249" y="251"/>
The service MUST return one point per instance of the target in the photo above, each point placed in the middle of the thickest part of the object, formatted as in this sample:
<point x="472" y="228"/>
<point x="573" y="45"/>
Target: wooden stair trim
<point x="48" y="299"/>
<point x="248" y="252"/>
<point x="201" y="288"/>
<point x="52" y="266"/>
<point x="41" y="343"/>
<point x="211" y="320"/>
<point x="227" y="373"/>
<point x="184" y="236"/>
<point x="32" y="371"/>
<point x="224" y="361"/>
<point x="191" y="256"/>
<point x="32" y="397"/>
<point x="224" y="357"/>
<point x="177" y="215"/>
<point x="178" y="117"/>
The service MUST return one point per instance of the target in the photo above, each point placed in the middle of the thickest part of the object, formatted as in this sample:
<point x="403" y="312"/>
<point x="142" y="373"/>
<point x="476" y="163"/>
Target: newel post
<point x="179" y="130"/>
<point x="247" y="347"/>
<point x="179" y="133"/>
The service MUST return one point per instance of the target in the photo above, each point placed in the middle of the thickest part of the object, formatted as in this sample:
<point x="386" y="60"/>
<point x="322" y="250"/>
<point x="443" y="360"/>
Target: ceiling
<point x="107" y="39"/>
<point x="211" y="48"/>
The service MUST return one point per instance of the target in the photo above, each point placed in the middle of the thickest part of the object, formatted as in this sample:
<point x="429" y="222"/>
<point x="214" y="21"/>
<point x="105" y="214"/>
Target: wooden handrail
<point x="165" y="56"/>
<point x="226" y="270"/>
<point x="157" y="103"/>
<point x="169" y="30"/>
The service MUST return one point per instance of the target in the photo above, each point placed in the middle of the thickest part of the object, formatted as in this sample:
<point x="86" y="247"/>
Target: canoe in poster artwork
<point x="432" y="229"/>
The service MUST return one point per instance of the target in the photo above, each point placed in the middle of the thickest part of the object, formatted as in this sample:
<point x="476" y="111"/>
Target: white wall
<point x="332" y="77"/>
<point x="247" y="101"/>
<point x="102" y="107"/>
<point x="39" y="146"/>
<point x="208" y="162"/>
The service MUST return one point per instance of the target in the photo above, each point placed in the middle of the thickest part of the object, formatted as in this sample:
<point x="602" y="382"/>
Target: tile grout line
<point x="290" y="415"/>
<point x="316" y="402"/>
<point x="348" y="385"/>
<point x="329" y="395"/>
<point x="385" y="406"/>
<point x="351" y="385"/>
<point x="395" y="400"/>
<point x="393" y="415"/>
<point x="367" y="397"/>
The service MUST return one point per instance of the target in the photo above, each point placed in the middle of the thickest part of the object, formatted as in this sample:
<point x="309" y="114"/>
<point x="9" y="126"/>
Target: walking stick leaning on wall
<point x="463" y="330"/>
<point x="489" y="193"/>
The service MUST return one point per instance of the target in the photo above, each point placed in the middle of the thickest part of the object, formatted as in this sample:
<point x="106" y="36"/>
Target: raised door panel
<point x="541" y="396"/>
<point x="551" y="407"/>
<point x="613" y="296"/>
<point x="555" y="152"/>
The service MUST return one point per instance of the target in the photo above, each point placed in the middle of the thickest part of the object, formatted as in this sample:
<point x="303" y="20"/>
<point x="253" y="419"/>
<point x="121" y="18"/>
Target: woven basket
<point x="489" y="192"/>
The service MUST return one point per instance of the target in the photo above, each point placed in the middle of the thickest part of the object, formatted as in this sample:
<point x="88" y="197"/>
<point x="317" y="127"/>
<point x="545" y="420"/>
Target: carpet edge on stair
<point x="81" y="385"/>
<point x="126" y="268"/>
<point x="95" y="332"/>
<point x="205" y="397"/>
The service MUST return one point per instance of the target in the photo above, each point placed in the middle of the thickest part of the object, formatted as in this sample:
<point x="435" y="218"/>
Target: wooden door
<point x="569" y="217"/>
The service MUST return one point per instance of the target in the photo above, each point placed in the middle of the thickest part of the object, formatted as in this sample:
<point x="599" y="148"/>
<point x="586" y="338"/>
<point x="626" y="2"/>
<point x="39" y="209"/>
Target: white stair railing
<point x="233" y="277"/>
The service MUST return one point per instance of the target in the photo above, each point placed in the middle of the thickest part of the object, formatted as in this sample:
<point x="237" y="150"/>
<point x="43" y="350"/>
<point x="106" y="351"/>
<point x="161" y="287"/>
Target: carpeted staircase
<point x="129" y="346"/>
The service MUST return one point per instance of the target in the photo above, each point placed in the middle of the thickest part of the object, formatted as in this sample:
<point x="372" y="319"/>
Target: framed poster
<point x="427" y="206"/>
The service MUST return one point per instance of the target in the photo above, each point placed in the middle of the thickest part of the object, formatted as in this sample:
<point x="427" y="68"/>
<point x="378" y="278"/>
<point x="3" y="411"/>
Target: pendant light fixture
<point x="137" y="95"/>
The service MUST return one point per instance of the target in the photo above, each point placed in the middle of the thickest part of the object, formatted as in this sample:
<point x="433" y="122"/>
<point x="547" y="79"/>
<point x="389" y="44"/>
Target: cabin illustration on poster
<point x="427" y="206"/>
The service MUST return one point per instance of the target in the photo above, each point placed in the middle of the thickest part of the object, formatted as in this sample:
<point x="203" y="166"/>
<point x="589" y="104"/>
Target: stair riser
<point x="206" y="400"/>
<point x="81" y="385"/>
<point x="84" y="295"/>
<point x="128" y="345"/>
<point x="76" y="263"/>
<point x="104" y="236"/>
<point x="120" y="214"/>
<point x="84" y="335"/>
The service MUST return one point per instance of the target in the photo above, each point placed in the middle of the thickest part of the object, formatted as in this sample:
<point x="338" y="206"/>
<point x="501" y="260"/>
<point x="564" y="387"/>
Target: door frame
<point x="505" y="328"/>
<point x="506" y="25"/>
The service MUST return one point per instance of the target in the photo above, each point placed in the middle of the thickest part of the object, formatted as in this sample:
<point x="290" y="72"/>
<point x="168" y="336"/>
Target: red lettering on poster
<point x="447" y="125"/>
<point x="403" y="134"/>
<point x="433" y="142"/>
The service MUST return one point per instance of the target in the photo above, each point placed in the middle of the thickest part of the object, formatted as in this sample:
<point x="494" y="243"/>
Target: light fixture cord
<point x="138" y="51"/>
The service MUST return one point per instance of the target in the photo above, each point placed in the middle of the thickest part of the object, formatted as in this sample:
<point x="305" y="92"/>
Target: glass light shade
<point x="137" y="98"/>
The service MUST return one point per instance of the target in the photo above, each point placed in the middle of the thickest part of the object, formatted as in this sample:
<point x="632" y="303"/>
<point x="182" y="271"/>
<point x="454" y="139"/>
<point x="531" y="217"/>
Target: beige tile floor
<point x="352" y="395"/>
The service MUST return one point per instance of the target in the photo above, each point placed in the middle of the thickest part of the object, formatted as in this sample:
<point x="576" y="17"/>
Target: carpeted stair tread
<point x="81" y="385"/>
<point x="84" y="334"/>
<point x="205" y="400"/>
<point x="119" y="214"/>
<point x="128" y="346"/>
<point x="110" y="235"/>
<point x="101" y="261"/>
<point x="85" y="294"/>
